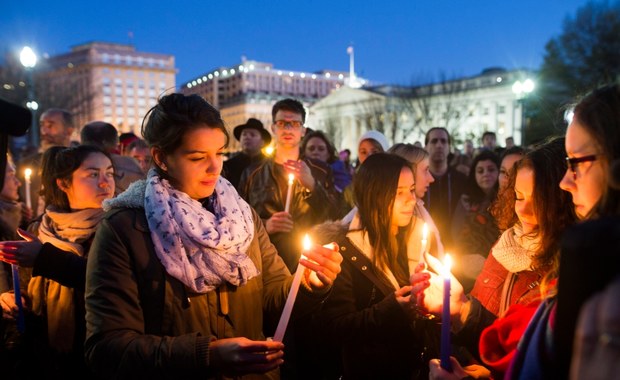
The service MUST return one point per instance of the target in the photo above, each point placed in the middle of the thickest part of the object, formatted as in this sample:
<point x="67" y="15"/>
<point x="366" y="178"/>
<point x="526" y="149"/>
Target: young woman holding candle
<point x="76" y="181"/>
<point x="183" y="270"/>
<point x="521" y="264"/>
<point x="369" y="316"/>
<point x="591" y="178"/>
<point x="419" y="159"/>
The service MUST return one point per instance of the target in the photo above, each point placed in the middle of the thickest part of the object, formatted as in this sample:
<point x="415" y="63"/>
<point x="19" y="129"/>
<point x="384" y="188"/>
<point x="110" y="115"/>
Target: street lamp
<point x="28" y="59"/>
<point x="522" y="89"/>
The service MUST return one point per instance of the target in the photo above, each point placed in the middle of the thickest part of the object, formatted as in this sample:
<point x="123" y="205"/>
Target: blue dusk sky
<point x="396" y="42"/>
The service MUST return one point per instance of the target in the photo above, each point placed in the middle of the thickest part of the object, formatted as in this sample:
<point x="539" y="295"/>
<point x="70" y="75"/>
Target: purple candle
<point x="445" y="317"/>
<point x="21" y="324"/>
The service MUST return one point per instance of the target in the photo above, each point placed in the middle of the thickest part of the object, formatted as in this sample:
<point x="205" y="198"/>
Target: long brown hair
<point x="374" y="188"/>
<point x="552" y="206"/>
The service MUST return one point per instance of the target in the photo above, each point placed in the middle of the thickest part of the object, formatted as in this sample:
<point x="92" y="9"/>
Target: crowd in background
<point x="165" y="255"/>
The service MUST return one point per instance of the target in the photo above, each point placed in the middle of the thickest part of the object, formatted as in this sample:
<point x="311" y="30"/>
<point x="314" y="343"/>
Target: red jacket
<point x="489" y="286"/>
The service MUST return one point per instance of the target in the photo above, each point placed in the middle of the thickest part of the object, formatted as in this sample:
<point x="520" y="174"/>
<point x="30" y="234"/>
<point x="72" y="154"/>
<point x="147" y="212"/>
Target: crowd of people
<point x="167" y="256"/>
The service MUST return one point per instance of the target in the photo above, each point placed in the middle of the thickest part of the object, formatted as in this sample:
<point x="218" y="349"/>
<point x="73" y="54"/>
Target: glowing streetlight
<point x="28" y="59"/>
<point x="522" y="89"/>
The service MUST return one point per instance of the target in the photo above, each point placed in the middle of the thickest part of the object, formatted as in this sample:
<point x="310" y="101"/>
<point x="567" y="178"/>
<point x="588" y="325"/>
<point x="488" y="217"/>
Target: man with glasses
<point x="313" y="199"/>
<point x="443" y="195"/>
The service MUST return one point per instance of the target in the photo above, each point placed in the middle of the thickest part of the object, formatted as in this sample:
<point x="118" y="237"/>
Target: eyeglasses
<point x="572" y="163"/>
<point x="290" y="124"/>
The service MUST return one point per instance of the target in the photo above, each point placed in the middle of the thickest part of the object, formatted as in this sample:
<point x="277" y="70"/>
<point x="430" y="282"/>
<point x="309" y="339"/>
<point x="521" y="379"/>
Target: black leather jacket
<point x="259" y="187"/>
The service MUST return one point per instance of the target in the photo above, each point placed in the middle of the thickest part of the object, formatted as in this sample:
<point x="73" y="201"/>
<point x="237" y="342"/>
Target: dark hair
<point x="374" y="190"/>
<point x="137" y="143"/>
<point x="176" y="114"/>
<point x="488" y="133"/>
<point x="67" y="117"/>
<point x="426" y="137"/>
<point x="552" y="206"/>
<point x="510" y="151"/>
<point x="331" y="151"/>
<point x="60" y="163"/>
<point x="599" y="113"/>
<point x="127" y="138"/>
<point x="291" y="105"/>
<point x="475" y="193"/>
<point x="101" y="134"/>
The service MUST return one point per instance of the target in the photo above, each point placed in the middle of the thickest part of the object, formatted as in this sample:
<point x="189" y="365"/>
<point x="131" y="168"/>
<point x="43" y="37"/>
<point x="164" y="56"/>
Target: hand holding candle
<point x="27" y="174"/>
<point x="292" y="295"/>
<point x="289" y="192"/>
<point x="445" y="316"/>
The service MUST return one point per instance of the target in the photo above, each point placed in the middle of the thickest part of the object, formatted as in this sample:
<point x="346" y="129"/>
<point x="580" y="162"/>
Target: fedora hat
<point x="254" y="124"/>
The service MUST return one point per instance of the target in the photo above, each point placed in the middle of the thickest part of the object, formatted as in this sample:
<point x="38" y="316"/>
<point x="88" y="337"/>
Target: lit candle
<point x="27" y="174"/>
<point x="289" y="192"/>
<point x="21" y="325"/>
<point x="424" y="241"/>
<point x="292" y="294"/>
<point x="445" y="316"/>
<point x="268" y="150"/>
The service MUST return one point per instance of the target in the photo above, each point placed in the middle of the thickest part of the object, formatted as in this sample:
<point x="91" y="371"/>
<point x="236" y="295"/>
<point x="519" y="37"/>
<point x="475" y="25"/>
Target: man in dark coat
<point x="253" y="137"/>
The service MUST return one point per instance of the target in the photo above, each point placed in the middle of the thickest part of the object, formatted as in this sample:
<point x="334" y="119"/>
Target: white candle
<point x="27" y="174"/>
<point x="289" y="192"/>
<point x="292" y="294"/>
<point x="424" y="241"/>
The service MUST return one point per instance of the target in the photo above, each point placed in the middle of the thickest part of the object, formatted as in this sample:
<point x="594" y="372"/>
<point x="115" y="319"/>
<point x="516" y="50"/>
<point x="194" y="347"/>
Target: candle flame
<point x="27" y="173"/>
<point x="424" y="231"/>
<point x="447" y="264"/>
<point x="307" y="242"/>
<point x="269" y="150"/>
<point x="291" y="178"/>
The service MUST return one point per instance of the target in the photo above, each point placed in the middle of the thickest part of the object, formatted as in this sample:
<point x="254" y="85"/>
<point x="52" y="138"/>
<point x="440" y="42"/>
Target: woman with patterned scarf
<point x="76" y="181"/>
<point x="520" y="267"/>
<point x="183" y="274"/>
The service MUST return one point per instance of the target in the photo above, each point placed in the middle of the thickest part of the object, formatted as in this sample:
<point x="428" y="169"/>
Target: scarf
<point x="66" y="231"/>
<point x="514" y="249"/>
<point x="199" y="248"/>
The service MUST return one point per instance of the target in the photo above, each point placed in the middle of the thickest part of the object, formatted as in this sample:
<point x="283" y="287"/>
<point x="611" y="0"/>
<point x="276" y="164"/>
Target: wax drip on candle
<point x="278" y="336"/>
<point x="289" y="192"/>
<point x="424" y="241"/>
<point x="27" y="174"/>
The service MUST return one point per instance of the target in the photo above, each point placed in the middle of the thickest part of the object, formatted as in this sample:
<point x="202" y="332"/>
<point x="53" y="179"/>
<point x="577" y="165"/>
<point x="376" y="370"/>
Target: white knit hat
<point x="377" y="136"/>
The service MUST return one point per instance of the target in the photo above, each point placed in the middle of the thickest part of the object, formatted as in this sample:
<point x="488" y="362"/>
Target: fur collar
<point x="133" y="197"/>
<point x="328" y="232"/>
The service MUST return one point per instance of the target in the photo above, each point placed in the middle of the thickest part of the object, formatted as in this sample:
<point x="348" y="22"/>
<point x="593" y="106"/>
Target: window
<point x="501" y="109"/>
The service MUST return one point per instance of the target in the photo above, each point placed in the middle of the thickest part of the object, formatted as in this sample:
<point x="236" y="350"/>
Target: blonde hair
<point x="409" y="152"/>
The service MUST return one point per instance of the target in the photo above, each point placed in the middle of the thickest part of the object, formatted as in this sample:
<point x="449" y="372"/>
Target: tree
<point x="584" y="56"/>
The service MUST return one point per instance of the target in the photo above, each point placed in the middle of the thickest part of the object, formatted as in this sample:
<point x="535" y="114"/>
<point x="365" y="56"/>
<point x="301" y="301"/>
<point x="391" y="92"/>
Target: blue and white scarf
<point x="197" y="247"/>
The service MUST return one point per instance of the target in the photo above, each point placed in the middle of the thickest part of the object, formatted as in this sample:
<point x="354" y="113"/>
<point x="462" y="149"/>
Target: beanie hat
<point x="377" y="136"/>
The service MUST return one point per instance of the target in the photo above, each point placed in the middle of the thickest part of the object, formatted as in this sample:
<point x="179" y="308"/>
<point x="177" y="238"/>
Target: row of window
<point x="131" y="60"/>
